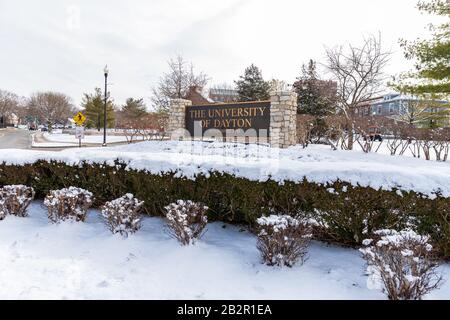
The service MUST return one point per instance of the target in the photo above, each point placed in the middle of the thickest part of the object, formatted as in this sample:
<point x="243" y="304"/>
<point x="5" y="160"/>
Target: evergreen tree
<point x="431" y="77"/>
<point x="134" y="108"/>
<point x="251" y="86"/>
<point x="93" y="105"/>
<point x="315" y="97"/>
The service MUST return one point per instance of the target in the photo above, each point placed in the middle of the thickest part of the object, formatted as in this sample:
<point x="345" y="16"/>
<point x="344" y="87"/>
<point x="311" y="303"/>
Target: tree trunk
<point x="351" y="138"/>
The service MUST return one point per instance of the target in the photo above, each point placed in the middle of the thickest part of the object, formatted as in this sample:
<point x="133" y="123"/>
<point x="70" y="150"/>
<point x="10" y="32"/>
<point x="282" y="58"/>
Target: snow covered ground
<point x="39" y="260"/>
<point x="67" y="138"/>
<point x="317" y="163"/>
<point x="382" y="148"/>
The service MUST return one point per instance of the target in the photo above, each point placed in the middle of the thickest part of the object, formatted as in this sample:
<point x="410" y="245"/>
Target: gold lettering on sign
<point x="206" y="123"/>
<point x="229" y="117"/>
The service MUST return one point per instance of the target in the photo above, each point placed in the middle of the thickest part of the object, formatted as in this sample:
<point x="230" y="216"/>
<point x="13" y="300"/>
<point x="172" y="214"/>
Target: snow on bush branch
<point x="123" y="214"/>
<point x="186" y="221"/>
<point x="283" y="240"/>
<point x="401" y="263"/>
<point x="68" y="203"/>
<point x="14" y="200"/>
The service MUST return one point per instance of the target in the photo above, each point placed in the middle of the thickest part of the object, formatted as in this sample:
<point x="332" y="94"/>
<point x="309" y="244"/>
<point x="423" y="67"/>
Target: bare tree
<point x="358" y="70"/>
<point x="175" y="84"/>
<point x="414" y="111"/>
<point x="50" y="107"/>
<point x="9" y="103"/>
<point x="21" y="110"/>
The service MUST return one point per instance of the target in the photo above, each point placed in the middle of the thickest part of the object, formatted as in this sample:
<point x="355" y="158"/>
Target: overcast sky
<point x="64" y="45"/>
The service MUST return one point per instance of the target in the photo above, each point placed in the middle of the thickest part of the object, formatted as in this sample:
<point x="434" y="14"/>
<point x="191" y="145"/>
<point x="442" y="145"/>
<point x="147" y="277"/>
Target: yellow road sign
<point x="79" y="119"/>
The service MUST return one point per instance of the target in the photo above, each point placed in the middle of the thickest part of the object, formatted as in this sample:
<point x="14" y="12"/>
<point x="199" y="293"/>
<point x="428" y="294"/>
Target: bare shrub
<point x="123" y="214"/>
<point x="68" y="203"/>
<point x="402" y="262"/>
<point x="283" y="240"/>
<point x="426" y="140"/>
<point x="338" y="131"/>
<point x="442" y="143"/>
<point x="186" y="221"/>
<point x="400" y="136"/>
<point x="148" y="127"/>
<point x="421" y="142"/>
<point x="14" y="200"/>
<point x="305" y="124"/>
<point x="365" y="131"/>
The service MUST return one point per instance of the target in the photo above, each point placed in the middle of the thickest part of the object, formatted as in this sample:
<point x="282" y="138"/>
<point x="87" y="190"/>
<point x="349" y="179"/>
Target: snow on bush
<point x="123" y="214"/>
<point x="14" y="200"/>
<point x="186" y="221"/>
<point x="283" y="240"/>
<point x="401" y="264"/>
<point x="68" y="203"/>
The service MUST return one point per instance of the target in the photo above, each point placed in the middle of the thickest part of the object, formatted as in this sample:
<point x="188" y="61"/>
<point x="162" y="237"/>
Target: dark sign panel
<point x="223" y="117"/>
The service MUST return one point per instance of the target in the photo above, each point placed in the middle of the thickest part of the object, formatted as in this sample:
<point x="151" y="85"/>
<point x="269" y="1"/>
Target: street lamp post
<point x="106" y="71"/>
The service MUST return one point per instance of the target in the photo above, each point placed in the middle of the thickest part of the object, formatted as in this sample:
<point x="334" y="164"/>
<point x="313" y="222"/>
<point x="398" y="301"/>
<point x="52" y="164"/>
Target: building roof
<point x="198" y="96"/>
<point x="227" y="92"/>
<point x="405" y="97"/>
<point x="394" y="98"/>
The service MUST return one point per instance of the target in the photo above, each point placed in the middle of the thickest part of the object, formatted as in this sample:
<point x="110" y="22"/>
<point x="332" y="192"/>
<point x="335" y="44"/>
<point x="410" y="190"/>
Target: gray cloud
<point x="63" y="45"/>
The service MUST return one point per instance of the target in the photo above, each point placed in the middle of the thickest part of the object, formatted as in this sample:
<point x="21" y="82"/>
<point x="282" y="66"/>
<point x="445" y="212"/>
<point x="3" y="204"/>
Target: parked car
<point x="374" y="134"/>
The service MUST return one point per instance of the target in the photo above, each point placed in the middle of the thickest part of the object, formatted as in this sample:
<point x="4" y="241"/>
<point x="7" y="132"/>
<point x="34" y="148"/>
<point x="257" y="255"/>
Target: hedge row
<point x="344" y="214"/>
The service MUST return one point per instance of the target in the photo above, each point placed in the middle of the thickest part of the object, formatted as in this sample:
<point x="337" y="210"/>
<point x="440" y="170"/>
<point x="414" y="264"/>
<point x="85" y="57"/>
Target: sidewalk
<point x="38" y="141"/>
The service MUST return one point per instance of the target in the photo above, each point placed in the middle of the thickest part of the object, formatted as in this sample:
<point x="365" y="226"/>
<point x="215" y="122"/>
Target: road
<point x="15" y="139"/>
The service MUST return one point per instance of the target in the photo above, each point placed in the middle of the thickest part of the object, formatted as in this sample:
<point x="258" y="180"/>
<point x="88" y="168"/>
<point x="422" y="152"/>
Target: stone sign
<point x="223" y="117"/>
<point x="274" y="121"/>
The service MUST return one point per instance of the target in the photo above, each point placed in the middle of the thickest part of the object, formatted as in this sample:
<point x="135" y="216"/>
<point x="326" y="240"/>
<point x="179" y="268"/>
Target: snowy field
<point x="317" y="163"/>
<point x="39" y="260"/>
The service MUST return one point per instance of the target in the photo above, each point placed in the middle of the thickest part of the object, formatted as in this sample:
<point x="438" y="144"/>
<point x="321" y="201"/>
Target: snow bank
<point x="316" y="163"/>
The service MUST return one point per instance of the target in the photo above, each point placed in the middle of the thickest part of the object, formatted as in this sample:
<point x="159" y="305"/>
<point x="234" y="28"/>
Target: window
<point x="391" y="108"/>
<point x="379" y="109"/>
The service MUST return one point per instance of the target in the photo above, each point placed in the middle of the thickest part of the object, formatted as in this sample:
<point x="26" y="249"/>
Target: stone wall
<point x="283" y="119"/>
<point x="177" y="117"/>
